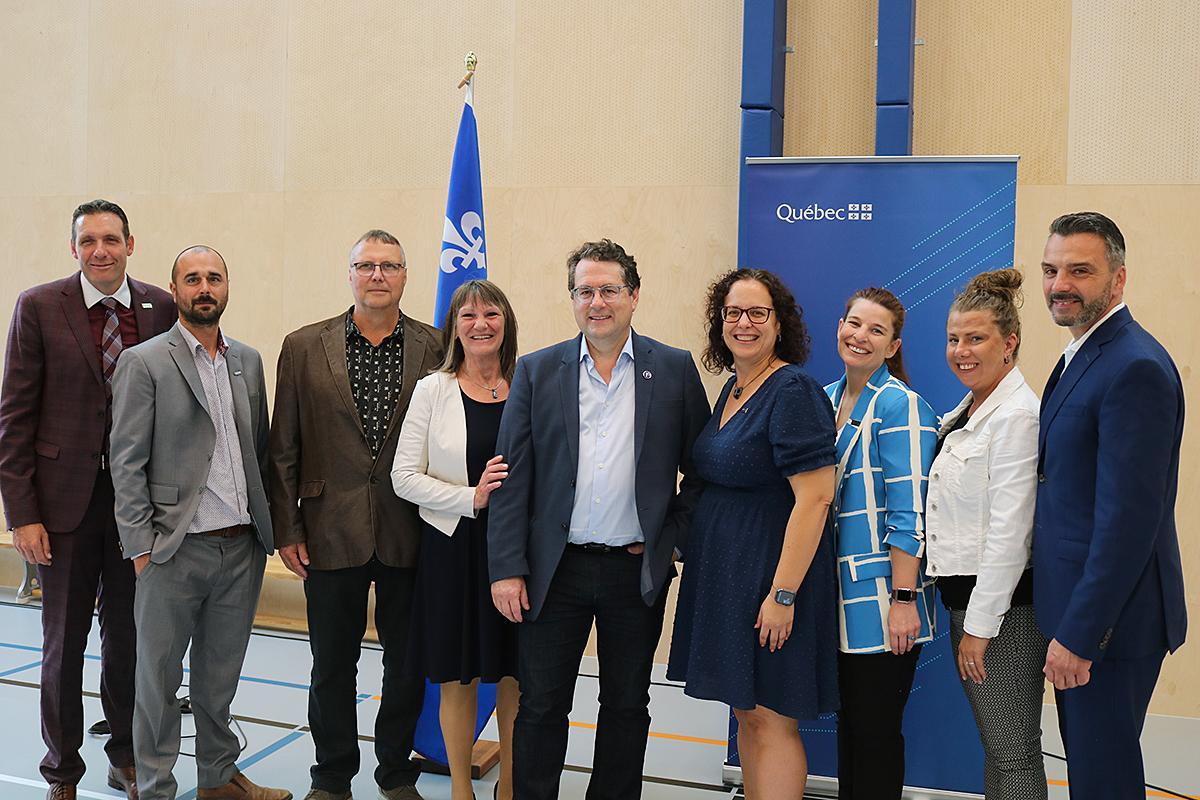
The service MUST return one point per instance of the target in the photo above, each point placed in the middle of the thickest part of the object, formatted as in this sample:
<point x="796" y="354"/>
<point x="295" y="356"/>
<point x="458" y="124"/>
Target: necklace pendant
<point x="737" y="392"/>
<point x="495" y="394"/>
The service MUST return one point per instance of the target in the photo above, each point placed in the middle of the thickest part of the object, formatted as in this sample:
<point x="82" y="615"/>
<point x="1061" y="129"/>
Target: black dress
<point x="457" y="634"/>
<point x="736" y="538"/>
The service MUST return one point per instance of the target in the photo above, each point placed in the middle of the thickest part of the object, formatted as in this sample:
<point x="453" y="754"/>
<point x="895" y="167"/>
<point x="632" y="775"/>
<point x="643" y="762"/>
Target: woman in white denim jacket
<point x="979" y="528"/>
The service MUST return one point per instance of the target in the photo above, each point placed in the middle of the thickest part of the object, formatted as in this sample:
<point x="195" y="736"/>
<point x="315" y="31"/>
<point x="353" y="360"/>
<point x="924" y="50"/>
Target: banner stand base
<point x="819" y="786"/>
<point x="485" y="755"/>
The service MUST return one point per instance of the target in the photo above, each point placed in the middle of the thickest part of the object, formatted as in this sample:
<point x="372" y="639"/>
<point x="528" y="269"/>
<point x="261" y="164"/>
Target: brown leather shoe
<point x="125" y="779"/>
<point x="242" y="788"/>
<point x="60" y="791"/>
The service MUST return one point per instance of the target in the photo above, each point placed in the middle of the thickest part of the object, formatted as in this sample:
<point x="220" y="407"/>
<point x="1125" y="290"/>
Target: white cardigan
<point x="979" y="509"/>
<point x="430" y="467"/>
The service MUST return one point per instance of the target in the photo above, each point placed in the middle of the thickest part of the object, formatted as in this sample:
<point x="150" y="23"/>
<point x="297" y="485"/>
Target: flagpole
<point x="471" y="62"/>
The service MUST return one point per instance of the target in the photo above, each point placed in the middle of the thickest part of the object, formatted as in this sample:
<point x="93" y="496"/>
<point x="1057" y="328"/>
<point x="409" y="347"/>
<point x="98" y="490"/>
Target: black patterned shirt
<point x="375" y="377"/>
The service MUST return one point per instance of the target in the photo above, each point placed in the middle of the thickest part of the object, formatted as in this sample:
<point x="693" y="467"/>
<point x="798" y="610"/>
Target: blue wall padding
<point x="894" y="70"/>
<point x="762" y="135"/>
<point x="764" y="35"/>
<point x="893" y="130"/>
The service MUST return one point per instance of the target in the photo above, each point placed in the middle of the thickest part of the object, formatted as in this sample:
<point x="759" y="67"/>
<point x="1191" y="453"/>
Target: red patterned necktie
<point x="110" y="343"/>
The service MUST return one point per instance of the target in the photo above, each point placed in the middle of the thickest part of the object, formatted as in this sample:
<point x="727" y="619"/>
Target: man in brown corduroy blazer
<point x="342" y="389"/>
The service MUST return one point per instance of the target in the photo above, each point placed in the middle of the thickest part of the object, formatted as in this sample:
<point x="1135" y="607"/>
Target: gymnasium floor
<point x="683" y="760"/>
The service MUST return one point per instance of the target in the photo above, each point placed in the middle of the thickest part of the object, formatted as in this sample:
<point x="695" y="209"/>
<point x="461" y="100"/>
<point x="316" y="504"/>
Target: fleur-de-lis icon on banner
<point x="462" y="246"/>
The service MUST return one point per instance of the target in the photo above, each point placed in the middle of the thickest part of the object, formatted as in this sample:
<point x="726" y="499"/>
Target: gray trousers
<point x="1008" y="706"/>
<point x="206" y="595"/>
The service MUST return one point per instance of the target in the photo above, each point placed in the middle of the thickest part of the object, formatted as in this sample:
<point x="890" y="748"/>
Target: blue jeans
<point x="604" y="587"/>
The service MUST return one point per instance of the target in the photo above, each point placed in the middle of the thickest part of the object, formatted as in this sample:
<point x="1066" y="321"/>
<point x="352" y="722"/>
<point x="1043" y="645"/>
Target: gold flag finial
<point x="471" y="62"/>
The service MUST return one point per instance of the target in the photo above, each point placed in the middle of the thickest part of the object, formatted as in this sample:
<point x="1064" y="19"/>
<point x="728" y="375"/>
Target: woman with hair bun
<point x="982" y="487"/>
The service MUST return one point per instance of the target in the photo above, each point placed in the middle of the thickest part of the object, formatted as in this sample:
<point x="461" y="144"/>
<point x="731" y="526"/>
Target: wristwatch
<point x="784" y="597"/>
<point x="904" y="595"/>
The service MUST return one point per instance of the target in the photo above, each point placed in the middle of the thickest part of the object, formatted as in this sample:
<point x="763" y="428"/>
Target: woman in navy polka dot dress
<point x="756" y="622"/>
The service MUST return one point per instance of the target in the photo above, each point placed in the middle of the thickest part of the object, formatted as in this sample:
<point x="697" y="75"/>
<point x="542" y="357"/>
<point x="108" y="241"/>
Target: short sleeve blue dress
<point x="785" y="428"/>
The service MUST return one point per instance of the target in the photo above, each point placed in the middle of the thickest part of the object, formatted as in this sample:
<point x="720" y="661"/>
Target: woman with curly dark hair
<point x="756" y="621"/>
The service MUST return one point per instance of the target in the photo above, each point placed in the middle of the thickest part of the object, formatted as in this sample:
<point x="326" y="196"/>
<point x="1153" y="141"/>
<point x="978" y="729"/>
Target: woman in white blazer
<point x="446" y="463"/>
<point x="979" y="530"/>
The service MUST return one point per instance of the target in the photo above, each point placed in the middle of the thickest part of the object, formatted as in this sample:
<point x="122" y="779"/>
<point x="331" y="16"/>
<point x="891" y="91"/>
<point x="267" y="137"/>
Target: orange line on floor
<point x="675" y="737"/>
<point x="1150" y="793"/>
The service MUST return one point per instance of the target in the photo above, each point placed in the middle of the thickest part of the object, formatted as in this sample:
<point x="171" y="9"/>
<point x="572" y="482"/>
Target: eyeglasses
<point x="367" y="269"/>
<point x="758" y="314"/>
<point x="585" y="294"/>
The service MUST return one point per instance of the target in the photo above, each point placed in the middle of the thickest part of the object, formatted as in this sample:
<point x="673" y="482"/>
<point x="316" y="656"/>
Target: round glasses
<point x="758" y="314"/>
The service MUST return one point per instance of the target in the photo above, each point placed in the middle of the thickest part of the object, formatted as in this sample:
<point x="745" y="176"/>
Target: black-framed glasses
<point x="367" y="269"/>
<point x="585" y="294"/>
<point x="758" y="314"/>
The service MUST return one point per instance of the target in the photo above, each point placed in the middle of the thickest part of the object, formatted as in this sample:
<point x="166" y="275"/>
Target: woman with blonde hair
<point x="982" y="488"/>
<point x="446" y="463"/>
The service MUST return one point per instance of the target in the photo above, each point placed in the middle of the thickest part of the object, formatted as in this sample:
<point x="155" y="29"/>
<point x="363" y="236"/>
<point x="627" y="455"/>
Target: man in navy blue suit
<point x="595" y="431"/>
<point x="1108" y="583"/>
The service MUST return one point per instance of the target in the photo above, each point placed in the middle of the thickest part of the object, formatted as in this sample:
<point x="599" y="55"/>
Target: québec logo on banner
<point x="815" y="212"/>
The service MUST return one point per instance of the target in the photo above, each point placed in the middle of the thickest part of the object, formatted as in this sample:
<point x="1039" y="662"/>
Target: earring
<point x="1007" y="359"/>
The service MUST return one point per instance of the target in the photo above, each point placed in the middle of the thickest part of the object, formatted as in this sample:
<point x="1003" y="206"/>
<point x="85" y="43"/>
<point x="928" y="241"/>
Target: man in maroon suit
<point x="55" y="415"/>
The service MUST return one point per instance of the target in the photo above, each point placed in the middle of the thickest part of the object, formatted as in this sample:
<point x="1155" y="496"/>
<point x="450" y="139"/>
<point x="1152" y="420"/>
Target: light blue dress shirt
<point x="605" y="508"/>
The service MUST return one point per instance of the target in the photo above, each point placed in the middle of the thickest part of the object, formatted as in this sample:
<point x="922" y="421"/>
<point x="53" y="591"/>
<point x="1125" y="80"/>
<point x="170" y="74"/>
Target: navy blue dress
<point x="785" y="428"/>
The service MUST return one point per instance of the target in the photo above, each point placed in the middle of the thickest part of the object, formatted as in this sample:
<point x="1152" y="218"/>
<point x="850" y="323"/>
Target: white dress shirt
<point x="92" y="295"/>
<point x="224" y="501"/>
<point x="979" y="510"/>
<point x="605" y="508"/>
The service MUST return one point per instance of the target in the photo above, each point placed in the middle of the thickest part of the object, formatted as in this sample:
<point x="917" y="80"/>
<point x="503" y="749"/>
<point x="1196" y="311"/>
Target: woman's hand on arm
<point x="493" y="475"/>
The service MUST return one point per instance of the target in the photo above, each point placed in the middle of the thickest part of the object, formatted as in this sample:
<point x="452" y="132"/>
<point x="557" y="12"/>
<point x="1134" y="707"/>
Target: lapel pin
<point x="147" y="305"/>
<point x="237" y="372"/>
<point x="647" y="374"/>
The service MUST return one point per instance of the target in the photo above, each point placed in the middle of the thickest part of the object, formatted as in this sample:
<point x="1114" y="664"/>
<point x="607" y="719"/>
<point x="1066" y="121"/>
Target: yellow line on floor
<point x="1150" y="793"/>
<point x="675" y="737"/>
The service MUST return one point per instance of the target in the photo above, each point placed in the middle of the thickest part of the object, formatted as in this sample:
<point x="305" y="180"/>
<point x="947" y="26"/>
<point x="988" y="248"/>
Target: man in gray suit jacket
<point x="189" y="452"/>
<point x="596" y="430"/>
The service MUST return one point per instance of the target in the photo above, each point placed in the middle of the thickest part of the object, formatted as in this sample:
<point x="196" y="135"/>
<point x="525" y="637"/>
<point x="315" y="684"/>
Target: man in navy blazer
<point x="595" y="431"/>
<point x="1108" y="583"/>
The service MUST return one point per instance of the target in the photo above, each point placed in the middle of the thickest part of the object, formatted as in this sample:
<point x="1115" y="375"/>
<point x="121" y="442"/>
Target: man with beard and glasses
<point x="1107" y="578"/>
<point x="189" y="454"/>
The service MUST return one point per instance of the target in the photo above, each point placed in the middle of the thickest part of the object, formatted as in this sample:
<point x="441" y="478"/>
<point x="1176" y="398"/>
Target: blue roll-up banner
<point x="921" y="227"/>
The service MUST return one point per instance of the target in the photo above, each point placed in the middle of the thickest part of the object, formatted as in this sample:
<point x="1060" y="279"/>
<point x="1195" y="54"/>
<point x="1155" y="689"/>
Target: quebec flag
<point x="463" y="259"/>
<point x="464" y="256"/>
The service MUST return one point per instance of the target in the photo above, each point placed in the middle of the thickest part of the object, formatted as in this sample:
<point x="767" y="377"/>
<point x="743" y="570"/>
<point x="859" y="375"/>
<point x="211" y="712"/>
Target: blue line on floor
<point x="89" y="657"/>
<point x="15" y="670"/>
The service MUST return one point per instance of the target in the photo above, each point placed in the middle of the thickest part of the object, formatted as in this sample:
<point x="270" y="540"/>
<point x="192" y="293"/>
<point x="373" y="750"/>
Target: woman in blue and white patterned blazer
<point x="885" y="444"/>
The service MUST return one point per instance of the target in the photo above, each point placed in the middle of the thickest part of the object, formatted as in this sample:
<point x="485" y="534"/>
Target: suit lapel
<point x="77" y="320"/>
<point x="143" y="309"/>
<point x="1080" y="363"/>
<point x="568" y="385"/>
<point x="333" y="339"/>
<point x="241" y="395"/>
<point x="186" y="361"/>
<point x="642" y="374"/>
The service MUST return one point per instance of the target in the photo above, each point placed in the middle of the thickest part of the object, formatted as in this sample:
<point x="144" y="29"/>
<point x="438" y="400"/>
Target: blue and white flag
<point x="464" y="256"/>
<point x="463" y="259"/>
